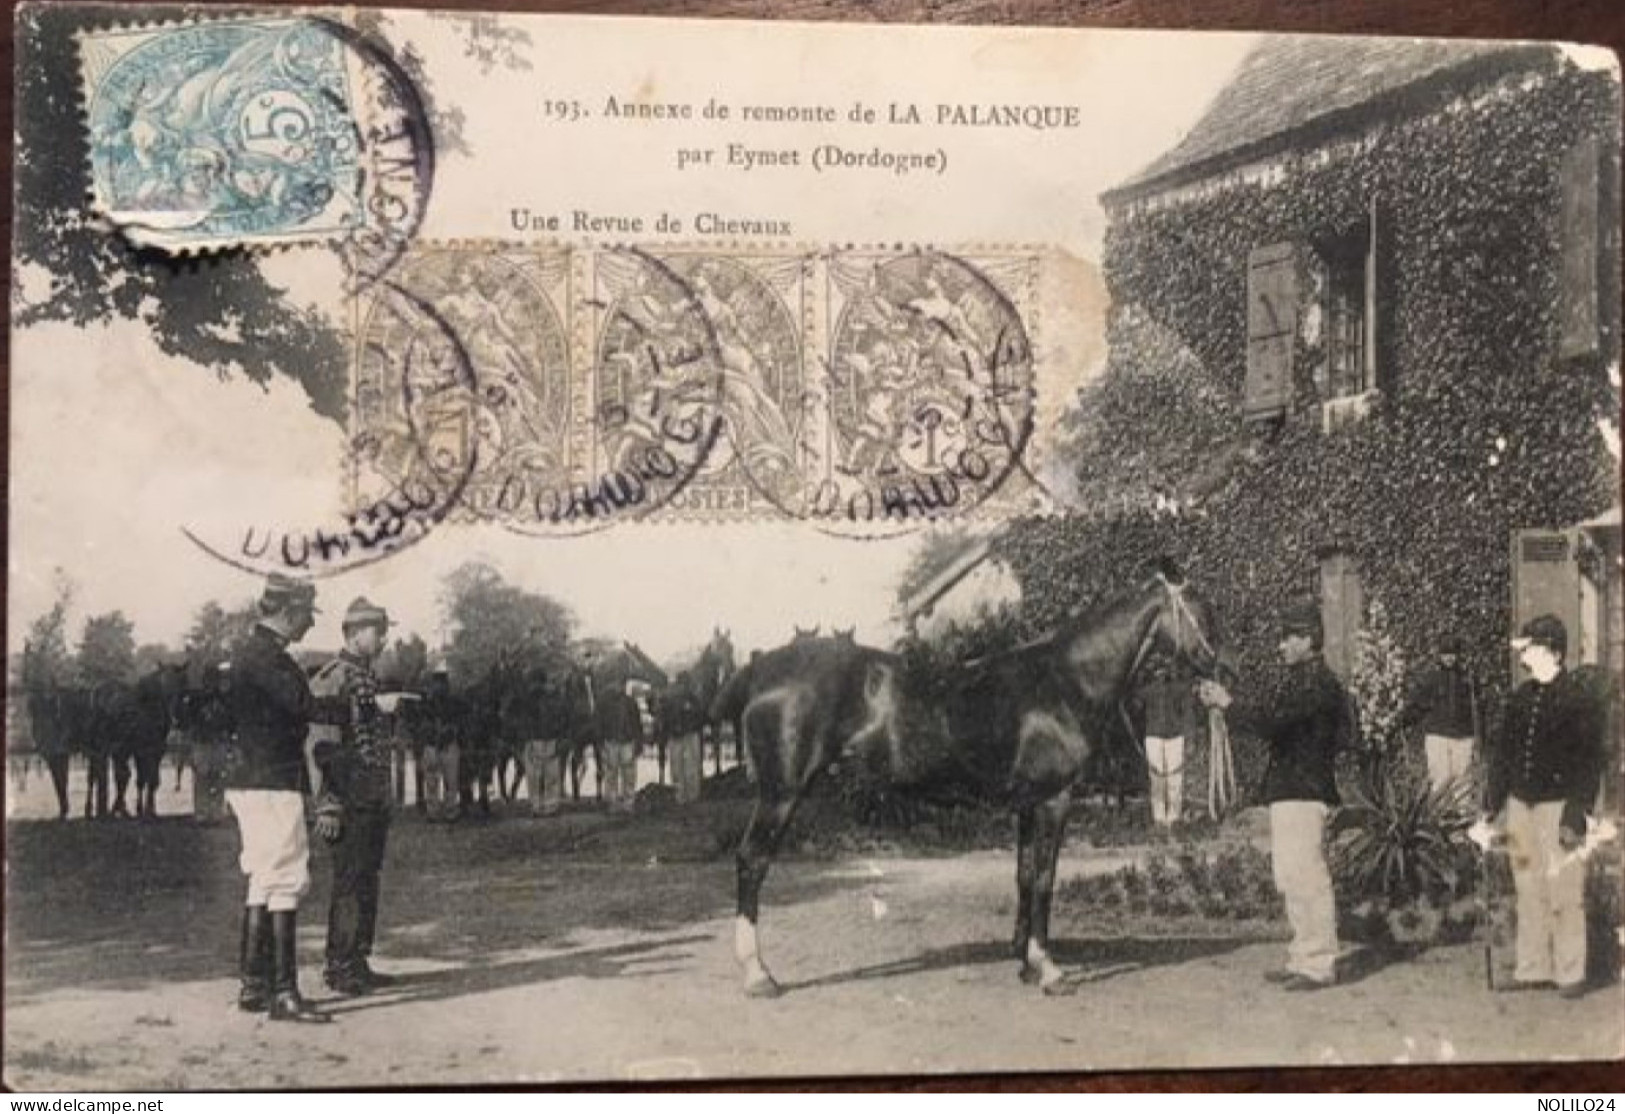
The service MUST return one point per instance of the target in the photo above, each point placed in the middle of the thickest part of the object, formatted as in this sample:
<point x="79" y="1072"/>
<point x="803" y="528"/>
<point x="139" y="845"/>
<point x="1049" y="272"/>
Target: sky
<point x="117" y="446"/>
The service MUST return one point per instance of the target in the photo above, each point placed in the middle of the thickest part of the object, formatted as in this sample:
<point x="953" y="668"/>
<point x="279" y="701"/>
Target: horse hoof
<point x="1055" y="988"/>
<point x="764" y="988"/>
<point x="1030" y="976"/>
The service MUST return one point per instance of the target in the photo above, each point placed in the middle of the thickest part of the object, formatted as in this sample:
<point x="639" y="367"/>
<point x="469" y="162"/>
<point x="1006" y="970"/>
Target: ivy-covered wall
<point x="1480" y="428"/>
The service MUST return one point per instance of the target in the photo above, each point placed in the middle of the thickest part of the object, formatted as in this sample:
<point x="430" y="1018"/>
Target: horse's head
<point x="721" y="649"/>
<point x="1185" y="623"/>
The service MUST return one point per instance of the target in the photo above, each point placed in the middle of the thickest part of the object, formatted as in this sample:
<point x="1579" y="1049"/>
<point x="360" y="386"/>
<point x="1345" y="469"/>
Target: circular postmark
<point x="386" y="516"/>
<point x="252" y="132"/>
<point x="929" y="403"/>
<point x="553" y="456"/>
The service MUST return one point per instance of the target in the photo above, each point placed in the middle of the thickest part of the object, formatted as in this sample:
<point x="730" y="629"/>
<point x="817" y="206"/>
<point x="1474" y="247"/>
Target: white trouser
<point x="1551" y="895"/>
<point x="440" y="790"/>
<point x="620" y="773"/>
<point x="1299" y="864"/>
<point x="1165" y="758"/>
<point x="687" y="767"/>
<point x="543" y="773"/>
<point x="1448" y="758"/>
<point x="276" y="851"/>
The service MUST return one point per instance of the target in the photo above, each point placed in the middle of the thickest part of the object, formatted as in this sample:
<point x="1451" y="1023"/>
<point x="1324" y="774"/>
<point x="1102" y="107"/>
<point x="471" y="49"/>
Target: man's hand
<point x="329" y="827"/>
<point x="1213" y="694"/>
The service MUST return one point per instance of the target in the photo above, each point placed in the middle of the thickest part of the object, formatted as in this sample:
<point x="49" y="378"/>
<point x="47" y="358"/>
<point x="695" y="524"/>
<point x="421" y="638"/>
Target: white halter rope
<point x="1221" y="765"/>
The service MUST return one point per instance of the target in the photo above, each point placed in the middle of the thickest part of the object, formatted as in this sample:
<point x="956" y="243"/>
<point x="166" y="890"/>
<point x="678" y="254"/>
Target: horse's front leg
<point x="768" y="821"/>
<point x="121" y="782"/>
<point x="1024" y="888"/>
<point x="1049" y="828"/>
<point x="58" y="765"/>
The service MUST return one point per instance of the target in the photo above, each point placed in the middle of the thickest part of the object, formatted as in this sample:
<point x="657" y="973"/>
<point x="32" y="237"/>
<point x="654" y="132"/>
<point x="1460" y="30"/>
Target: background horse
<point x="58" y="718"/>
<point x="709" y="674"/>
<point x="1019" y="727"/>
<point x="481" y="739"/>
<point x="129" y="725"/>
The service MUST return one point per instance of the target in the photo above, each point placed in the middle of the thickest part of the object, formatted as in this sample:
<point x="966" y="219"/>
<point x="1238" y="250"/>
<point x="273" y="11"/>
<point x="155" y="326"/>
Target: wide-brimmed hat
<point x="362" y="612"/>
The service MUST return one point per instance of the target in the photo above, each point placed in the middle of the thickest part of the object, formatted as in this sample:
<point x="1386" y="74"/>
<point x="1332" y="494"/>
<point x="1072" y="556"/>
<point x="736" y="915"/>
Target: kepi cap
<point x="1544" y="630"/>
<point x="282" y="592"/>
<point x="1302" y="617"/>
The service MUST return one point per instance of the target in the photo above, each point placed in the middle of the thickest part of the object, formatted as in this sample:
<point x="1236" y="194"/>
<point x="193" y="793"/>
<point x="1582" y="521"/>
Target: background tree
<point x="150" y="655"/>
<point x="46" y="660"/>
<point x="404" y="664"/>
<point x="107" y="649"/>
<point x="489" y="618"/>
<point x="216" y="631"/>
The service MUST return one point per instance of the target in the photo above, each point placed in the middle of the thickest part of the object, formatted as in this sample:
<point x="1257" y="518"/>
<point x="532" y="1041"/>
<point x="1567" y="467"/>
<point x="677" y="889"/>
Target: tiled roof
<point x="1289" y="82"/>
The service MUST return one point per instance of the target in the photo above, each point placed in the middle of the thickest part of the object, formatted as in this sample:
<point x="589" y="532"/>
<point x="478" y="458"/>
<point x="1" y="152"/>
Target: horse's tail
<point x="729" y="703"/>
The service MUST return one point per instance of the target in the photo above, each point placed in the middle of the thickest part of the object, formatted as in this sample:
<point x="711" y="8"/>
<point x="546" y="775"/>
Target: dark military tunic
<point x="1444" y="704"/>
<point x="1550" y="748"/>
<point x="271" y="709"/>
<point x="1304" y="727"/>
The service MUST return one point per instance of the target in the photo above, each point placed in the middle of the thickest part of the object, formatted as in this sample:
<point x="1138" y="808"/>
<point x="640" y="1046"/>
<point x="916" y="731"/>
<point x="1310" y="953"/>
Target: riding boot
<point x="254" y="961"/>
<point x="286" y="1002"/>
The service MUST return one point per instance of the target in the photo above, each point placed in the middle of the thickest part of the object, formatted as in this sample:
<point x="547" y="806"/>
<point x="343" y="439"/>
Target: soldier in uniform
<point x="353" y="794"/>
<point x="439" y="719"/>
<point x="211" y="744"/>
<point x="272" y="708"/>
<point x="1304" y="723"/>
<point x="1544" y="771"/>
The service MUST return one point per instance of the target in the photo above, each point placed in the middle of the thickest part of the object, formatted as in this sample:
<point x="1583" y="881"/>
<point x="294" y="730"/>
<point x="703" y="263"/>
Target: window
<point x="1349" y="366"/>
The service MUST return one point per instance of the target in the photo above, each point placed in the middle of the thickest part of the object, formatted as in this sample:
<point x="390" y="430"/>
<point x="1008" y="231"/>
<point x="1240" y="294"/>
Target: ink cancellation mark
<point x="394" y="515"/>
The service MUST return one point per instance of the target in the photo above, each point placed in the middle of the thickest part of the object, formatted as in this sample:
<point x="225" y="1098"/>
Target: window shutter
<point x="1545" y="581"/>
<point x="1577" y="310"/>
<point x="1272" y="325"/>
<point x="1342" y="604"/>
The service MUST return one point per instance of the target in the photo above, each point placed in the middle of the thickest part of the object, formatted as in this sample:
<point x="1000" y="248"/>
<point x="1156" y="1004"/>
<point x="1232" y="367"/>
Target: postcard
<point x="553" y="548"/>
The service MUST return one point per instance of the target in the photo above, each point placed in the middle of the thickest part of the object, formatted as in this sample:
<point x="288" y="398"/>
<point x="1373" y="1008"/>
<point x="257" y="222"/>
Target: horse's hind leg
<point x="97" y="775"/>
<point x="121" y="780"/>
<point x="768" y="822"/>
<point x="1049" y="829"/>
<point x="1025" y="824"/>
<point x="148" y="785"/>
<point x="57" y="764"/>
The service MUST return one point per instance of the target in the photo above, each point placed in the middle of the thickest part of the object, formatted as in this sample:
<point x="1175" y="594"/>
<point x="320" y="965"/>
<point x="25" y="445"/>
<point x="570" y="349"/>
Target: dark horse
<point x="115" y="725"/>
<point x="59" y="719"/>
<point x="134" y="720"/>
<point x="707" y="677"/>
<point x="1020" y="727"/>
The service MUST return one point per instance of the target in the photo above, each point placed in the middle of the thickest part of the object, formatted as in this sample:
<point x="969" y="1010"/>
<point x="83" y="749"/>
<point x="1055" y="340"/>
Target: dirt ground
<point x="588" y="947"/>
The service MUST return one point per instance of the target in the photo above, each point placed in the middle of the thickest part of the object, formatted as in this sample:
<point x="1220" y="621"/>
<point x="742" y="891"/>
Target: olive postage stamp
<point x="860" y="390"/>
